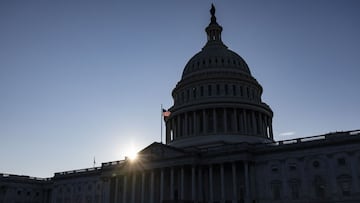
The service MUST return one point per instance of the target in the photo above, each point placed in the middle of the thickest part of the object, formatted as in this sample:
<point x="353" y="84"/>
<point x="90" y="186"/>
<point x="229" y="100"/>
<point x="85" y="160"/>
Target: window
<point x="294" y="188"/>
<point x="209" y="90"/>
<point x="226" y="89"/>
<point x="217" y="89"/>
<point x="316" y="164"/>
<point x="274" y="169"/>
<point x="341" y="161"/>
<point x="292" y="167"/>
<point x="194" y="92"/>
<point x="201" y="91"/>
<point x="319" y="185"/>
<point x="344" y="183"/>
<point x="234" y="90"/>
<point x="276" y="190"/>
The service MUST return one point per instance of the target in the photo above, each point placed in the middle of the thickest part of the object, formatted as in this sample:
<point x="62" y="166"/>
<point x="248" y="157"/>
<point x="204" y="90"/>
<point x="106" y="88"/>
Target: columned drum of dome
<point x="217" y="99"/>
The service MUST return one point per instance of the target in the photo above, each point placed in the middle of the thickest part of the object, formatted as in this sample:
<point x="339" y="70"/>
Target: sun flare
<point x="132" y="155"/>
<point x="131" y="152"/>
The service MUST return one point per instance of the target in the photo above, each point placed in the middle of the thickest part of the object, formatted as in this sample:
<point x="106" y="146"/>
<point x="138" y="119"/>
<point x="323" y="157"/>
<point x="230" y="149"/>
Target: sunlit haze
<point x="80" y="79"/>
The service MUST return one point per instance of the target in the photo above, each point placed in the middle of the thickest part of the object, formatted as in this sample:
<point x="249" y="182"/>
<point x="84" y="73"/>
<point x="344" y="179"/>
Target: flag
<point x="165" y="113"/>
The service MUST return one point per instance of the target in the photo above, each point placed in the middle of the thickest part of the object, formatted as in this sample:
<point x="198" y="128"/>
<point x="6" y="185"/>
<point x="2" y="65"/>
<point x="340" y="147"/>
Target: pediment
<point x="160" y="151"/>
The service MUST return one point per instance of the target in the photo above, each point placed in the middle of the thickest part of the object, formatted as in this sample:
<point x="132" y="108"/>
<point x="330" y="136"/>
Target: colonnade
<point x="219" y="120"/>
<point x="224" y="182"/>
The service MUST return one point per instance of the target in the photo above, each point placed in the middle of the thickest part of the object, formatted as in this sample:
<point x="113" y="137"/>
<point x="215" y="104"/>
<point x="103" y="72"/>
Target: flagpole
<point x="161" y="122"/>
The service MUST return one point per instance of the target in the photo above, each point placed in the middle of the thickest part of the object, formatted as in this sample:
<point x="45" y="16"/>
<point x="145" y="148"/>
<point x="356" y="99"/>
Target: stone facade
<point x="219" y="149"/>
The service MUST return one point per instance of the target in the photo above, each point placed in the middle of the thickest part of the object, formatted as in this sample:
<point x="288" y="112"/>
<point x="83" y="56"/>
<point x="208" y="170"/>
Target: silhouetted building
<point x="219" y="148"/>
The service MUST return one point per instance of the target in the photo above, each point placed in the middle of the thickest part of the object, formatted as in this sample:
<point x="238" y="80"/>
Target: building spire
<point x="212" y="12"/>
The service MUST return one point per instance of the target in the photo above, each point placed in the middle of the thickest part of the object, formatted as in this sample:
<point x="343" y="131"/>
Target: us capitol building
<point x="219" y="148"/>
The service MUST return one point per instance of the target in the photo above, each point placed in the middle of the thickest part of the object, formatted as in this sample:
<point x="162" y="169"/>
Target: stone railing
<point x="317" y="137"/>
<point x="85" y="170"/>
<point x="112" y="163"/>
<point x="6" y="175"/>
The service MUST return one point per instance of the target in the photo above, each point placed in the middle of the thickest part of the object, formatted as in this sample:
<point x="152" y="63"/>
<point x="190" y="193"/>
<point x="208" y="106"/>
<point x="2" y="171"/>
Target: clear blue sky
<point x="80" y="79"/>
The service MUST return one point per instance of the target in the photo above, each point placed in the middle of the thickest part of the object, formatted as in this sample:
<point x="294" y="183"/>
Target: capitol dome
<point x="217" y="99"/>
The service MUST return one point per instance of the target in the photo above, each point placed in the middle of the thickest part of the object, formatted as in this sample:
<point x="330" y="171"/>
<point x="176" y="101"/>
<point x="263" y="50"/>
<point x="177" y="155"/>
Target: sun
<point x="131" y="152"/>
<point x="132" y="155"/>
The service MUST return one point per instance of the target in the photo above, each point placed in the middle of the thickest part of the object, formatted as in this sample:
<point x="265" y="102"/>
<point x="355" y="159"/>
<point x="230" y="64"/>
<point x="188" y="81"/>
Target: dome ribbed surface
<point x="215" y="58"/>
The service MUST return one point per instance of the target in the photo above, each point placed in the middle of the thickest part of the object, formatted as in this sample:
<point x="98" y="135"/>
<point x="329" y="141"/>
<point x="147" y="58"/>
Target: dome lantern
<point x="214" y="29"/>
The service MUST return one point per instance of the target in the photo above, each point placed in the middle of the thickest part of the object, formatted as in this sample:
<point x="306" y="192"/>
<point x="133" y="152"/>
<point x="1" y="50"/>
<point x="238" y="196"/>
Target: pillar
<point x="168" y="131"/>
<point x="193" y="189"/>
<point x="205" y="128"/>
<point x="152" y="186"/>
<point x="214" y="120"/>
<point x="182" y="183"/>
<point x="222" y="182"/>
<point x="235" y="121"/>
<point x="186" y="125"/>
<point x="174" y="128"/>
<point x="355" y="174"/>
<point x="225" y="120"/>
<point x="245" y="122"/>
<point x="133" y="188"/>
<point x="116" y="192"/>
<point x="233" y="167"/>
<point x="125" y="185"/>
<point x="253" y="120"/>
<point x="172" y="184"/>
<point x="161" y="185"/>
<point x="143" y="187"/>
<point x="106" y="190"/>
<point x="211" y="183"/>
<point x="200" y="184"/>
<point x="247" y="182"/>
<point x="195" y="124"/>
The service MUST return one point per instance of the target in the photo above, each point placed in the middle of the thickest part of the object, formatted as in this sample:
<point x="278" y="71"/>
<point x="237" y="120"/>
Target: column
<point x="106" y="190"/>
<point x="193" y="190"/>
<point x="174" y="128"/>
<point x="152" y="187"/>
<point x="271" y="130"/>
<point x="178" y="126"/>
<point x="200" y="184"/>
<point x="186" y="126"/>
<point x="143" y="187"/>
<point x="161" y="185"/>
<point x="247" y="182"/>
<point x="168" y="131"/>
<point x="253" y="119"/>
<point x="195" y="124"/>
<point x="225" y="120"/>
<point x="235" y="121"/>
<point x="172" y="183"/>
<point x="182" y="183"/>
<point x="211" y="183"/>
<point x="222" y="182"/>
<point x="244" y="122"/>
<point x="233" y="166"/>
<point x="354" y="173"/>
<point x="205" y="128"/>
<point x="116" y="193"/>
<point x="133" y="189"/>
<point x="214" y="120"/>
<point x="125" y="185"/>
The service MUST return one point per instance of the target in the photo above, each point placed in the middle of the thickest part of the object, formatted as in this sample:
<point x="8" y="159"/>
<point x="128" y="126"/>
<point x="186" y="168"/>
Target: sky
<point x="83" y="79"/>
